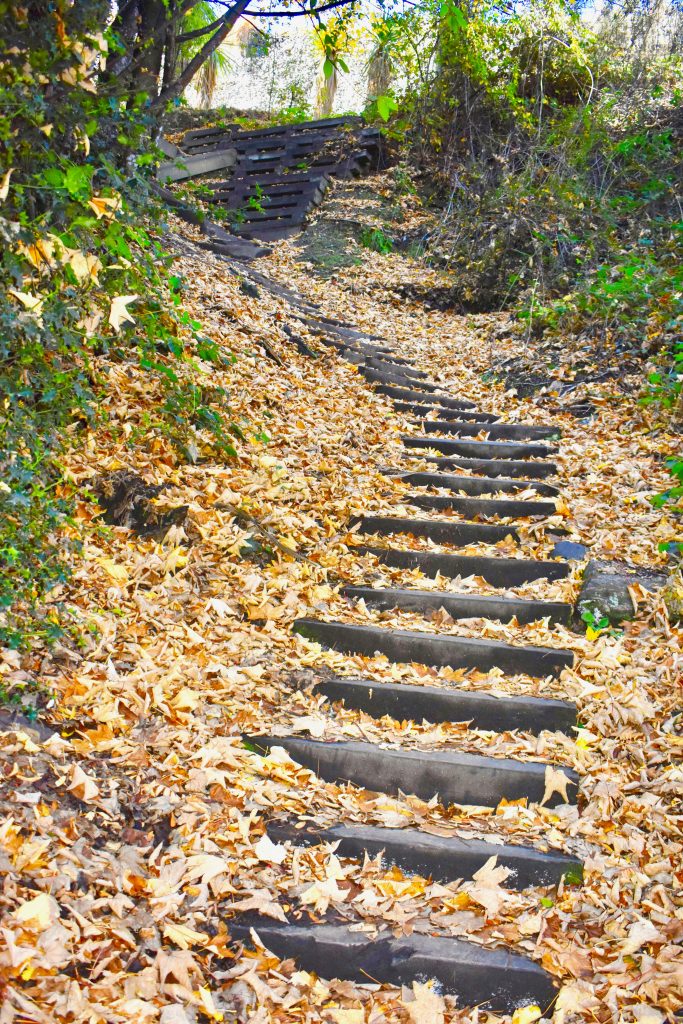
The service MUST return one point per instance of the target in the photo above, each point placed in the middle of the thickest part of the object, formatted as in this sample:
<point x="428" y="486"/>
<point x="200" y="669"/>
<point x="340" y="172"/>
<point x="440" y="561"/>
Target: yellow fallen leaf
<point x="39" y="913"/>
<point x="427" y="1007"/>
<point x="4" y="184"/>
<point x="34" y="303"/>
<point x="186" y="699"/>
<point x="348" y="1016"/>
<point x="117" y="572"/>
<point x="208" y="1005"/>
<point x="82" y="786"/>
<point x="104" y="206"/>
<point x="270" y="852"/>
<point x="556" y="781"/>
<point x="184" y="936"/>
<point x="526" y="1015"/>
<point x="118" y="313"/>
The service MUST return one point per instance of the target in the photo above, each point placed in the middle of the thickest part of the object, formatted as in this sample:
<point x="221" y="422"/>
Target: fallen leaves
<point x="118" y="311"/>
<point x="82" y="785"/>
<point x="426" y="1006"/>
<point x="556" y="781"/>
<point x="191" y="648"/>
<point x="39" y="913"/>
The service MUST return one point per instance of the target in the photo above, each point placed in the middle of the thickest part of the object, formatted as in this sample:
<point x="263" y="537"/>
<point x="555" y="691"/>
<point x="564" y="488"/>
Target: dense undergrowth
<point x="84" y="284"/>
<point x="554" y="147"/>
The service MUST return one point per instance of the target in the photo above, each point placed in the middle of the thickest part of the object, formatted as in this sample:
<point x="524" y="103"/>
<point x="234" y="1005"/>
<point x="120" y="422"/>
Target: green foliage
<point x="375" y="239"/>
<point x="673" y="495"/>
<point x="80" y="247"/>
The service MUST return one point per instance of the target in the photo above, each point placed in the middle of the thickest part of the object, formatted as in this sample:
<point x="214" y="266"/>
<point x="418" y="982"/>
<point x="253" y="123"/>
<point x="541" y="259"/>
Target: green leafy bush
<point x="84" y="283"/>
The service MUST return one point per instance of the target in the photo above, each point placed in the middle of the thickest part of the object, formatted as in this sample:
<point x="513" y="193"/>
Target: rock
<point x="570" y="550"/>
<point x="605" y="592"/>
<point x="673" y="596"/>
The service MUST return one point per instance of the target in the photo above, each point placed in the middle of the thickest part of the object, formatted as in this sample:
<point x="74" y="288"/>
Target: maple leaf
<point x="486" y="889"/>
<point x="104" y="206"/>
<point x="639" y="934"/>
<point x="184" y="936"/>
<point x="117" y="572"/>
<point x="34" y="303"/>
<point x="556" y="781"/>
<point x="426" y="1007"/>
<point x="320" y="894"/>
<point x="261" y="901"/>
<point x="118" y="313"/>
<point x="82" y="786"/>
<point x="527" y="1015"/>
<point x="269" y="851"/>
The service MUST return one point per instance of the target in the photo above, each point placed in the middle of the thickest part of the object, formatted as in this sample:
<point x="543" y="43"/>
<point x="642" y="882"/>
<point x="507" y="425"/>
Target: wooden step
<point x="405" y="702"/>
<point x="461" y="606"/>
<point x="452" y="778"/>
<point x="499" y="572"/>
<point x="435" y="650"/>
<point x="443" y="858"/>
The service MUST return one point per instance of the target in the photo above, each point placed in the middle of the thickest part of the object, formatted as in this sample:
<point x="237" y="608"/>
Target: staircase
<point x="282" y="173"/>
<point x="513" y="459"/>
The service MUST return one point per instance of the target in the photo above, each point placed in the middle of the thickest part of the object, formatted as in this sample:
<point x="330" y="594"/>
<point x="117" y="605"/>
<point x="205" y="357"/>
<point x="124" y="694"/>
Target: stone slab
<point x="442" y="531"/>
<point x="408" y="394"/>
<point x="518" y="431"/>
<point x="443" y="858"/>
<point x="531" y="468"/>
<point x="478" y="449"/>
<point x="476" y="484"/>
<point x="500" y="507"/>
<point x="494" y="979"/>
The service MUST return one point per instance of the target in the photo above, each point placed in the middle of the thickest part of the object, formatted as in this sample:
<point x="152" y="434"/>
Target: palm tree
<point x="201" y="15"/>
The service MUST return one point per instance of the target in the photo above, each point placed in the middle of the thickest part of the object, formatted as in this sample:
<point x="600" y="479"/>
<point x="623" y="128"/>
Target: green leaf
<point x="385" y="106"/>
<point x="77" y="180"/>
<point x="54" y="177"/>
<point x="328" y="68"/>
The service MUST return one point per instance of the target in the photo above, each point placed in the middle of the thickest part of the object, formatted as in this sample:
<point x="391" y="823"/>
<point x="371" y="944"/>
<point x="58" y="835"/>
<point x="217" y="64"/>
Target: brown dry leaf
<point x="82" y="785"/>
<point x="556" y="781"/>
<point x="426" y="1007"/>
<point x="118" y="311"/>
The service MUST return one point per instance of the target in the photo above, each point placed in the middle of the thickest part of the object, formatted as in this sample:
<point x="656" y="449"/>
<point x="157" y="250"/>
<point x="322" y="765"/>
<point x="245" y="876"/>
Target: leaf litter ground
<point x="134" y="823"/>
